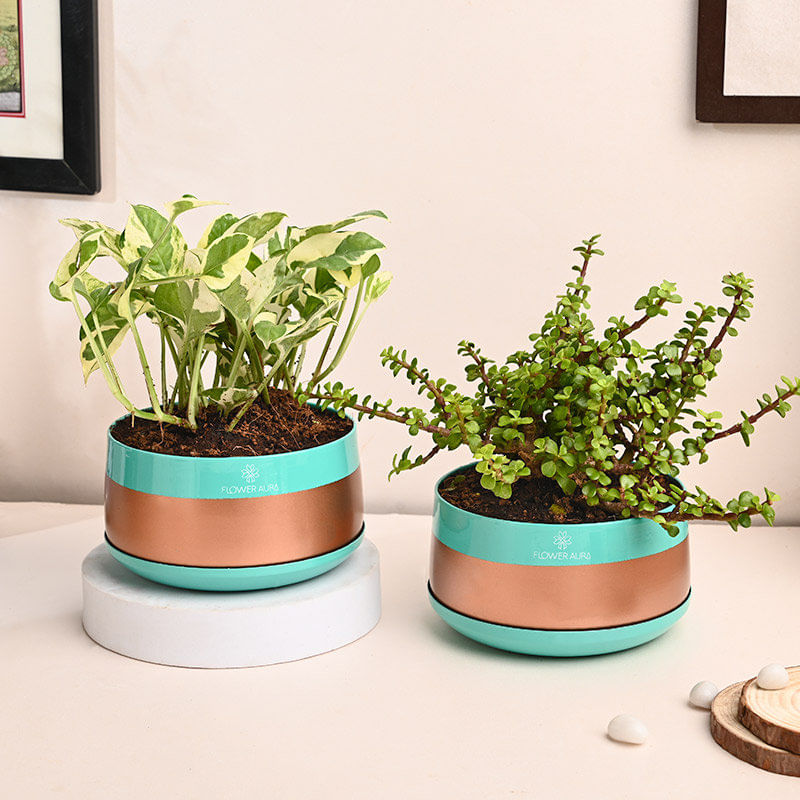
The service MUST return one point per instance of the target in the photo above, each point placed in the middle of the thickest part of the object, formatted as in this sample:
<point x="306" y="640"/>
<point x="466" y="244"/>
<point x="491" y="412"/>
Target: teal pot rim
<point x="230" y="477"/>
<point x="561" y="642"/>
<point x="547" y="544"/>
<point x="236" y="579"/>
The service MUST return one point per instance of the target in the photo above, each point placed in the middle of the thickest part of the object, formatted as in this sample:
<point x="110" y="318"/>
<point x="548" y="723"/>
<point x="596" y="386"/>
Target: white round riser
<point x="151" y="622"/>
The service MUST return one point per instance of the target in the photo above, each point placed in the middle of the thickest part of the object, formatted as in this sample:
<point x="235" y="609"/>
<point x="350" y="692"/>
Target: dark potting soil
<point x="532" y="500"/>
<point x="283" y="426"/>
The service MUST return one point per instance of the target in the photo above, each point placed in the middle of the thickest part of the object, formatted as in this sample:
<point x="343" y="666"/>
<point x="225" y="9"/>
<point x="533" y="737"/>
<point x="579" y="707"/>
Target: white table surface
<point x="413" y="710"/>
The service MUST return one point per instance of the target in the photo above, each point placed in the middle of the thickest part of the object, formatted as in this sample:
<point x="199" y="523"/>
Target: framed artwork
<point x="748" y="61"/>
<point x="49" y="140"/>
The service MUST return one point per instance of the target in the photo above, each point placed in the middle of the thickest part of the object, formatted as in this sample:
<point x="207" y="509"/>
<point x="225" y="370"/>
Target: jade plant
<point x="234" y="315"/>
<point x="608" y="418"/>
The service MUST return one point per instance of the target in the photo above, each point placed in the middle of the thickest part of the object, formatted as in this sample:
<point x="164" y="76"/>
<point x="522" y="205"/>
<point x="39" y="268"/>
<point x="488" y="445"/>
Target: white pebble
<point x="773" y="676"/>
<point x="627" y="728"/>
<point x="703" y="694"/>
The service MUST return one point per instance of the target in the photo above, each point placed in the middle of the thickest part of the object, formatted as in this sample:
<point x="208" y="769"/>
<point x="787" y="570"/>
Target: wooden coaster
<point x="773" y="714"/>
<point x="732" y="736"/>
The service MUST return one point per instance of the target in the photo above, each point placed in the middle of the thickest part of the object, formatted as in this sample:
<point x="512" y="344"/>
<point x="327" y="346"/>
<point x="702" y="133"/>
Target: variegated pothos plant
<point x="250" y="297"/>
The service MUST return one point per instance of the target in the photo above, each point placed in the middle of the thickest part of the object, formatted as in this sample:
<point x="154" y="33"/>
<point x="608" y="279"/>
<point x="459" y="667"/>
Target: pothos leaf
<point x="259" y="226"/>
<point x="144" y="228"/>
<point x="215" y="229"/>
<point x="191" y="304"/>
<point x="343" y="223"/>
<point x="109" y="329"/>
<point x="267" y="329"/>
<point x="187" y="203"/>
<point x="377" y="286"/>
<point x="248" y="292"/>
<point x="230" y="399"/>
<point x="225" y="258"/>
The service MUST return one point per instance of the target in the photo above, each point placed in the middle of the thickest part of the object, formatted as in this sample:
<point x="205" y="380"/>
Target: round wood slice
<point x="773" y="714"/>
<point x="732" y="736"/>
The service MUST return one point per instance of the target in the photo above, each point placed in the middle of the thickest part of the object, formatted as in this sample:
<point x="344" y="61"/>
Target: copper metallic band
<point x="234" y="532"/>
<point x="563" y="597"/>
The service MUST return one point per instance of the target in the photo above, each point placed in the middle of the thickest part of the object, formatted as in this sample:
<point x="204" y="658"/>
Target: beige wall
<point x="495" y="134"/>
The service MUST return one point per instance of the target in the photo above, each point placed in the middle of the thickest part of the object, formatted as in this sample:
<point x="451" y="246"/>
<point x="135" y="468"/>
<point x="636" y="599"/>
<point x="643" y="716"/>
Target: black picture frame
<point x="78" y="172"/>
<point x="711" y="104"/>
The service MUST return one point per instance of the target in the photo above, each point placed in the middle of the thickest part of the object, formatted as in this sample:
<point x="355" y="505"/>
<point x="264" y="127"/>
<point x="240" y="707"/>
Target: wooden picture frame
<point x="712" y="103"/>
<point x="77" y="171"/>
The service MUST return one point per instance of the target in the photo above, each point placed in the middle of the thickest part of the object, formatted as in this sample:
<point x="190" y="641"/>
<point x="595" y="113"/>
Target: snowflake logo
<point x="250" y="472"/>
<point x="562" y="541"/>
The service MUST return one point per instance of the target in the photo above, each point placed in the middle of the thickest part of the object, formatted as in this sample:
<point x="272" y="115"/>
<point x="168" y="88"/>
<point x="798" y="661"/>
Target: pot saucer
<point x="236" y="579"/>
<point x="533" y="641"/>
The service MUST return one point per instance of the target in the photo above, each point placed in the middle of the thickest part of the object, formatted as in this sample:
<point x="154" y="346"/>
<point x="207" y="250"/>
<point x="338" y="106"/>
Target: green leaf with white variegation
<point x="67" y="268"/>
<point x="267" y="328"/>
<point x="236" y="298"/>
<point x="313" y="248"/>
<point x="82" y="226"/>
<point x="106" y="322"/>
<point x="93" y="289"/>
<point x="357" y="247"/>
<point x="377" y="285"/>
<point x="342" y="223"/>
<point x="248" y="292"/>
<point x="333" y="251"/>
<point x="77" y="260"/>
<point x="215" y="229"/>
<point x="144" y="228"/>
<point x="349" y="277"/>
<point x="259" y="226"/>
<point x="225" y="258"/>
<point x="206" y="310"/>
<point x="301" y="330"/>
<point x="109" y="238"/>
<point x="370" y="266"/>
<point x="230" y="399"/>
<point x="187" y="203"/>
<point x="351" y="274"/>
<point x="191" y="304"/>
<point x="305" y="300"/>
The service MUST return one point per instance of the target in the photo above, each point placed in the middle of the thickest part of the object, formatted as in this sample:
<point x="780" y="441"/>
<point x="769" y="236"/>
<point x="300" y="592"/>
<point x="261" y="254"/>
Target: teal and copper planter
<point x="236" y="523"/>
<point x="557" y="590"/>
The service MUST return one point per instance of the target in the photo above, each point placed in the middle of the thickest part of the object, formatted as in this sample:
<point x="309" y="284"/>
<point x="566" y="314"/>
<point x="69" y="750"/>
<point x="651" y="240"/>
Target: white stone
<point x="703" y="694"/>
<point x="773" y="676"/>
<point x="627" y="728"/>
<point x="150" y="622"/>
